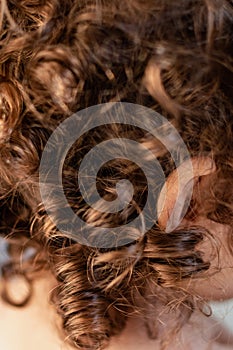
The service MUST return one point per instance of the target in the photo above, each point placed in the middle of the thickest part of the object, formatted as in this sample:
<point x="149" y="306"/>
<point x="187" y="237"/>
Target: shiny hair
<point x="59" y="57"/>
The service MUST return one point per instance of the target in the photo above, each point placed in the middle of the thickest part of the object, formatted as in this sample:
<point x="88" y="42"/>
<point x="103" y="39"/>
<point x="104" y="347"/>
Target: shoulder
<point x="34" y="326"/>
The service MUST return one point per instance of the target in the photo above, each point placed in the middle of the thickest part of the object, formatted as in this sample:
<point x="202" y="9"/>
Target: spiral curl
<point x="59" y="57"/>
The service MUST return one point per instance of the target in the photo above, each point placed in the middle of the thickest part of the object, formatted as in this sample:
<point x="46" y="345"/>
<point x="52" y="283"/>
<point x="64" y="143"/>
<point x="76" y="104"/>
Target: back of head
<point x="174" y="58"/>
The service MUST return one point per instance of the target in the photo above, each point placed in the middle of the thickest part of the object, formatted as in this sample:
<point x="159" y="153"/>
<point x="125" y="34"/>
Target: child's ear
<point x="174" y="198"/>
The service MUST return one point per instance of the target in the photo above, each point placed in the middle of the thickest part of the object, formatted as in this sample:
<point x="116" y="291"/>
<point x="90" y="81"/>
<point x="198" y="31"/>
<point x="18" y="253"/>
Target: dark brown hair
<point x="59" y="57"/>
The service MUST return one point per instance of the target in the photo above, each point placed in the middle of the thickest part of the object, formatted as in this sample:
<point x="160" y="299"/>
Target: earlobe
<point x="176" y="193"/>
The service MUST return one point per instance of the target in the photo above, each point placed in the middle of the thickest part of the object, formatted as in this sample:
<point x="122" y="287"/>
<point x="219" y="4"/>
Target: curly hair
<point x="60" y="57"/>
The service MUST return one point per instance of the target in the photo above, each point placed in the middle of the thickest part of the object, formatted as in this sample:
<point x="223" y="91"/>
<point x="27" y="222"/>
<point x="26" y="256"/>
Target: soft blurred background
<point x="223" y="311"/>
